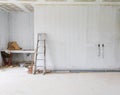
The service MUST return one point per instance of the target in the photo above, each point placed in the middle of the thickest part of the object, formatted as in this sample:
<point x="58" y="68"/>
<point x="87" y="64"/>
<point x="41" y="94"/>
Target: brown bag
<point x="13" y="46"/>
<point x="10" y="47"/>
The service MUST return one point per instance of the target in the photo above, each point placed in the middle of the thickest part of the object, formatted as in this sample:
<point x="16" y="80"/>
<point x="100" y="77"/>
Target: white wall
<point x="71" y="30"/>
<point x="66" y="29"/>
<point x="21" y="30"/>
<point x="4" y="31"/>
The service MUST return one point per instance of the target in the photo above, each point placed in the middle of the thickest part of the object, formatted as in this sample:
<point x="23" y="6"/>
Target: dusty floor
<point x="15" y="81"/>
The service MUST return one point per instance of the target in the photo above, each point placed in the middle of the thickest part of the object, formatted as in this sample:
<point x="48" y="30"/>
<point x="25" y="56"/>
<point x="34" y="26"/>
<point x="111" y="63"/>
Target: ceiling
<point x="28" y="5"/>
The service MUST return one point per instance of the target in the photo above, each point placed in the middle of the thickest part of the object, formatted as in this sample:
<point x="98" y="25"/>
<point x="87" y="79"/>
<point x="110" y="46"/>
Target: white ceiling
<point x="28" y="5"/>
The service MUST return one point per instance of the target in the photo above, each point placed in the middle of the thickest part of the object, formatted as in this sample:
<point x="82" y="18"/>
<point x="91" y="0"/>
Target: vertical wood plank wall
<point x="21" y="29"/>
<point x="4" y="32"/>
<point x="71" y="29"/>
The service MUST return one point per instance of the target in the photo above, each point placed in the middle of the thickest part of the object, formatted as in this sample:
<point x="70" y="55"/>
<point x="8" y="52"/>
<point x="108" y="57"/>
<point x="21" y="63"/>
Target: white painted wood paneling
<point x="65" y="28"/>
<point x="74" y="32"/>
<point x="21" y="29"/>
<point x="110" y="33"/>
<point x="4" y="33"/>
<point x="92" y="60"/>
<point x="103" y="28"/>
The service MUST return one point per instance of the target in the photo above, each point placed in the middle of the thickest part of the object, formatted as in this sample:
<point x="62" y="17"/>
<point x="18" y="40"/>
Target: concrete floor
<point x="15" y="81"/>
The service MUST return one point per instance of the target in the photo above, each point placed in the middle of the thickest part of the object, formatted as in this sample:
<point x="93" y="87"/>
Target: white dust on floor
<point x="16" y="81"/>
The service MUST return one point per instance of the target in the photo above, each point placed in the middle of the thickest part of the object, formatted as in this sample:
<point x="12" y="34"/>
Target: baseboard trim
<point x="78" y="71"/>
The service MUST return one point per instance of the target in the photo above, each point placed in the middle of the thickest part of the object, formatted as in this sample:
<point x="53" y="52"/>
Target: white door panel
<point x="103" y="29"/>
<point x="110" y="56"/>
<point x="93" y="57"/>
<point x="109" y="36"/>
<point x="107" y="24"/>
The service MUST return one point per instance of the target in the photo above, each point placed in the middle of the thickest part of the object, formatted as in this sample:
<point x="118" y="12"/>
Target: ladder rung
<point x="39" y="66"/>
<point x="40" y="46"/>
<point x="40" y="53"/>
<point x="40" y="59"/>
<point x="41" y="43"/>
<point x="41" y="40"/>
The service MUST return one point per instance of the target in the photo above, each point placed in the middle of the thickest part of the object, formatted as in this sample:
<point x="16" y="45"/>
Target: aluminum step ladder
<point x="40" y="54"/>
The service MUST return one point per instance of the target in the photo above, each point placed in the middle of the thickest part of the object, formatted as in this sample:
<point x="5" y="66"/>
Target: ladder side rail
<point x="44" y="69"/>
<point x="35" y="56"/>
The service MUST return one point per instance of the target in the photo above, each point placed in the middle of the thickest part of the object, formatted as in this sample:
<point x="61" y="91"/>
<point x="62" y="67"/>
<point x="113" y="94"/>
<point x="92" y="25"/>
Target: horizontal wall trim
<point x="65" y="2"/>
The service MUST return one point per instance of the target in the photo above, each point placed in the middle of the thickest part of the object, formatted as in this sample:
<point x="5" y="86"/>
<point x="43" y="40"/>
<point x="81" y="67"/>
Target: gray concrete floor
<point x="16" y="81"/>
